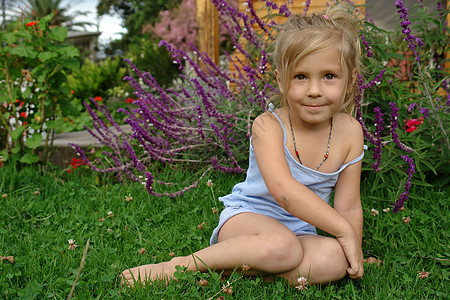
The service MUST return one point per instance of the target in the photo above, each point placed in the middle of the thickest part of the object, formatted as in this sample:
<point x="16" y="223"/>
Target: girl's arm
<point x="300" y="201"/>
<point x="347" y="199"/>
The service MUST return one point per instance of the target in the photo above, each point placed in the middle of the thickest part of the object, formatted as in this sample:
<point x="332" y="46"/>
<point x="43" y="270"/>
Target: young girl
<point x="298" y="153"/>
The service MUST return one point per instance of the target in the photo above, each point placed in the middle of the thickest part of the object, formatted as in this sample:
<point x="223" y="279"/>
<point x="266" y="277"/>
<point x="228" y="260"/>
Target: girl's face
<point x="317" y="88"/>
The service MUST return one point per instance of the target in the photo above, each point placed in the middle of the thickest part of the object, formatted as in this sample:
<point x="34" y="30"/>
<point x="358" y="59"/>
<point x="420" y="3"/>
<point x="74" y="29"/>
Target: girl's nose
<point x="314" y="89"/>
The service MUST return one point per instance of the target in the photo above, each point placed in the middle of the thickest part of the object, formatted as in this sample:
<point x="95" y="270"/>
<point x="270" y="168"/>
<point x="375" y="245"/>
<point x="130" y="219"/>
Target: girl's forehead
<point x="324" y="58"/>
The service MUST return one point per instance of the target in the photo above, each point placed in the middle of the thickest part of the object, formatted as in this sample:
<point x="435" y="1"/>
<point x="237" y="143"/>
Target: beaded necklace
<point x="295" y="145"/>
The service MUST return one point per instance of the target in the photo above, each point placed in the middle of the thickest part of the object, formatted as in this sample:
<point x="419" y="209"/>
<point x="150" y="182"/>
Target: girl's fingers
<point x="355" y="273"/>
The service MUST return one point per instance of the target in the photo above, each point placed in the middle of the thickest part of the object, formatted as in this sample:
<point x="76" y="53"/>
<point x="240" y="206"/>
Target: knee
<point x="284" y="252"/>
<point x="333" y="259"/>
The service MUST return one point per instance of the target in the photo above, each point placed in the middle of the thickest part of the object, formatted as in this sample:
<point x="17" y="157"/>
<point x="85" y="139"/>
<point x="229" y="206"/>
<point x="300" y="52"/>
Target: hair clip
<point x="325" y="17"/>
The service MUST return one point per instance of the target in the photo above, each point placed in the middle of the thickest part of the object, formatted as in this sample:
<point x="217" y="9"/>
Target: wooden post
<point x="207" y="19"/>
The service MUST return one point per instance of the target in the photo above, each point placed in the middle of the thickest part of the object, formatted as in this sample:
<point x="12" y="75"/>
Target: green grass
<point x="42" y="211"/>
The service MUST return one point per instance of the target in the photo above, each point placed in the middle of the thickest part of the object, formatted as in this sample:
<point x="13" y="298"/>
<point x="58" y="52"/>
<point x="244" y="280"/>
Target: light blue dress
<point x="253" y="196"/>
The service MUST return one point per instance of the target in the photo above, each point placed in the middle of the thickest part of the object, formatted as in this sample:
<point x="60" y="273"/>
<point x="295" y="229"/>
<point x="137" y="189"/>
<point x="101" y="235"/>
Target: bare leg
<point x="323" y="261"/>
<point x="262" y="243"/>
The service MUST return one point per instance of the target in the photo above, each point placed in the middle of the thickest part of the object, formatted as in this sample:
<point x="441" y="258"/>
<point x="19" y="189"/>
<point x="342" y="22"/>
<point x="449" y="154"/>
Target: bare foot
<point x="148" y="273"/>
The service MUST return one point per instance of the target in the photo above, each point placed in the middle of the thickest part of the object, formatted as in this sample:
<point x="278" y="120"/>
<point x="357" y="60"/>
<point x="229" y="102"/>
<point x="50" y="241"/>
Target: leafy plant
<point x="156" y="60"/>
<point x="33" y="61"/>
<point x="206" y="122"/>
<point x="96" y="79"/>
<point x="410" y="94"/>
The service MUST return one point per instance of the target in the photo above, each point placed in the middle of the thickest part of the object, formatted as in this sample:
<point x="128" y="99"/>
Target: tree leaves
<point x="23" y="51"/>
<point x="34" y="141"/>
<point x="58" y="34"/>
<point x="44" y="56"/>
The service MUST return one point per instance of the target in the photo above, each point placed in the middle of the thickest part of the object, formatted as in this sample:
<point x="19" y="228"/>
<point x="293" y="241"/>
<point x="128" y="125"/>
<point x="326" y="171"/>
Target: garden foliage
<point x="33" y="61"/>
<point x="402" y="104"/>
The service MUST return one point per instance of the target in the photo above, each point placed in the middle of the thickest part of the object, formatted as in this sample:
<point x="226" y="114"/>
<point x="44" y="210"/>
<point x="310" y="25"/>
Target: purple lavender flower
<point x="405" y="194"/>
<point x="423" y="110"/>
<point x="359" y="117"/>
<point x="284" y="10"/>
<point x="394" y="127"/>
<point x="411" y="107"/>
<point x="258" y="20"/>
<point x="377" y="80"/>
<point x="271" y="4"/>
<point x="440" y="8"/>
<point x="369" y="18"/>
<point x="305" y="10"/>
<point x="149" y="182"/>
<point x="413" y="42"/>
<point x="366" y="46"/>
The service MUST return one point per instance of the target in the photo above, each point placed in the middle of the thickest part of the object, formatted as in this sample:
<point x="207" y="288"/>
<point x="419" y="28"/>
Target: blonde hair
<point x="301" y="36"/>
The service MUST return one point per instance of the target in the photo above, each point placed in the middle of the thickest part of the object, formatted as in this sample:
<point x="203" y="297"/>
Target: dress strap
<point x="353" y="161"/>
<point x="272" y="110"/>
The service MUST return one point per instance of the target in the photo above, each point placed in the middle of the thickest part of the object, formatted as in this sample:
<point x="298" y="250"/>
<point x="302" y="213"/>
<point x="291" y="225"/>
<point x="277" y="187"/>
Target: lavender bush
<point x="409" y="92"/>
<point x="205" y="122"/>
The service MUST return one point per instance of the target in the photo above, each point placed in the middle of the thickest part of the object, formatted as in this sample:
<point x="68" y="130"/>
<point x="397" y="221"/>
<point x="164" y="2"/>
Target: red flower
<point x="411" y="125"/>
<point x="72" y="92"/>
<point x="23" y="114"/>
<point x="76" y="162"/>
<point x="129" y="100"/>
<point x="32" y="23"/>
<point x="98" y="98"/>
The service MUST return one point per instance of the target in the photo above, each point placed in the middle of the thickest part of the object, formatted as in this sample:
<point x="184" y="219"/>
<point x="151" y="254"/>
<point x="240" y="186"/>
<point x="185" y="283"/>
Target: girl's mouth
<point x="314" y="107"/>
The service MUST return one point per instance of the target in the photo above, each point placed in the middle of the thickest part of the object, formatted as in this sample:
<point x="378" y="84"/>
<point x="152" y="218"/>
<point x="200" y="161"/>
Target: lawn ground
<point x="41" y="211"/>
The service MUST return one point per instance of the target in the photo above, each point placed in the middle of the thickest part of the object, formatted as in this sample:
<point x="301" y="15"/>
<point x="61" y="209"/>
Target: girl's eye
<point x="300" y="77"/>
<point x="329" y="76"/>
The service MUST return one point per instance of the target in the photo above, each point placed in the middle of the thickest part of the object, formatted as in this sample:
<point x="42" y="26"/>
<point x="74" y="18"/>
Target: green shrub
<point x="33" y="63"/>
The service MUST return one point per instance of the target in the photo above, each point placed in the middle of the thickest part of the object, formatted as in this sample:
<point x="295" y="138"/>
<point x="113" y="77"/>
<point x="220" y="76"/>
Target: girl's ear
<point x="352" y="81"/>
<point x="280" y="86"/>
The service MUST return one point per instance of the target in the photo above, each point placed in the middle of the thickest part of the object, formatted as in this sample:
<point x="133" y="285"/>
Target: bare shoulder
<point x="350" y="130"/>
<point x="349" y="124"/>
<point x="265" y="125"/>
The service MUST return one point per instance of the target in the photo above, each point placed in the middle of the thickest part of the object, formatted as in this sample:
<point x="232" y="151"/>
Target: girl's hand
<point x="352" y="249"/>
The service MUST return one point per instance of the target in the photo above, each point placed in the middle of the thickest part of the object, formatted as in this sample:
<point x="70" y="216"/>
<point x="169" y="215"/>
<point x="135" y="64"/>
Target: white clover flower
<point x="302" y="283"/>
<point x="71" y="244"/>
